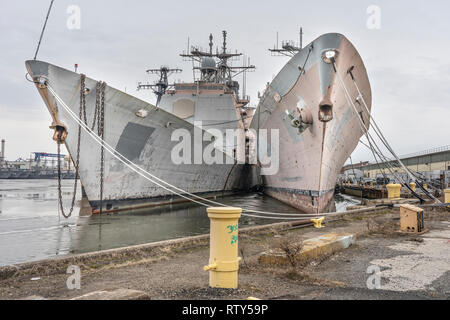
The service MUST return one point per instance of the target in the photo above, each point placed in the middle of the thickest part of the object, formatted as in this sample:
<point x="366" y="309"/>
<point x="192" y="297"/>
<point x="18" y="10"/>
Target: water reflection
<point x="140" y="226"/>
<point x="31" y="228"/>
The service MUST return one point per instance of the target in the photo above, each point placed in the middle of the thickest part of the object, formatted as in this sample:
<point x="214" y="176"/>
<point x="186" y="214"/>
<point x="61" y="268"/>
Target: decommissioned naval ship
<point x="142" y="132"/>
<point x="318" y="126"/>
<point x="305" y="102"/>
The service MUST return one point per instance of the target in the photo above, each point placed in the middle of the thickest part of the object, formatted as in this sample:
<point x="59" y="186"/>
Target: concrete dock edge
<point x="314" y="248"/>
<point x="98" y="259"/>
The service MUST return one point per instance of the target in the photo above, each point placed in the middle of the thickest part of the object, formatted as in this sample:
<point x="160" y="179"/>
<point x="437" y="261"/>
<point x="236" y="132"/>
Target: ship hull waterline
<point x="144" y="141"/>
<point x="310" y="161"/>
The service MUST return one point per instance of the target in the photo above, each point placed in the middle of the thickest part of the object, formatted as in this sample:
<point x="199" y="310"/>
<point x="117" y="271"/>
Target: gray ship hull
<point x="4" y="174"/>
<point x="311" y="160"/>
<point x="146" y="141"/>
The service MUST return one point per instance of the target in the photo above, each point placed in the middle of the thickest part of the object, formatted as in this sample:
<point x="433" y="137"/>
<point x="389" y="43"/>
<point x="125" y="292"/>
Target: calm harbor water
<point x="32" y="229"/>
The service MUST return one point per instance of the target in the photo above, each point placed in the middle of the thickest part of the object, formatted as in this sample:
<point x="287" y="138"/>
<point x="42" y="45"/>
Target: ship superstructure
<point x="142" y="133"/>
<point x="213" y="99"/>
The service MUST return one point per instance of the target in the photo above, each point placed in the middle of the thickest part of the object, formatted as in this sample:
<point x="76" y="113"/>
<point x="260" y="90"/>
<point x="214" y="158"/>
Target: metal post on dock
<point x="223" y="260"/>
<point x="398" y="190"/>
<point x="394" y="190"/>
<point x="447" y="195"/>
<point x="391" y="192"/>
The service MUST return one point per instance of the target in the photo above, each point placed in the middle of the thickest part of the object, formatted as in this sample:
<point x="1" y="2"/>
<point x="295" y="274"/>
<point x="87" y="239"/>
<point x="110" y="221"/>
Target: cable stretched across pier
<point x="201" y="200"/>
<point x="169" y="187"/>
<point x="379" y="134"/>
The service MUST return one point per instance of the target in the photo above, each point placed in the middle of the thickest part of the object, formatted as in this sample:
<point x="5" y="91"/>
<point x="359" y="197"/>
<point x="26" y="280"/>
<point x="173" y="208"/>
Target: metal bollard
<point x="391" y="190"/>
<point x="223" y="252"/>
<point x="394" y="190"/>
<point x="412" y="185"/>
<point x="318" y="222"/>
<point x="398" y="190"/>
<point x="447" y="195"/>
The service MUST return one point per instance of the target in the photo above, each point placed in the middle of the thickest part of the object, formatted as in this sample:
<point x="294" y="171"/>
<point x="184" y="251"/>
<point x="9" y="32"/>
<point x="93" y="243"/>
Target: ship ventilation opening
<point x="325" y="112"/>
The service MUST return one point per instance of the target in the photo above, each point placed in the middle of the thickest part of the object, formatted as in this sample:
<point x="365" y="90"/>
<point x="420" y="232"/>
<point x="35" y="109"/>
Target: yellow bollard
<point x="318" y="223"/>
<point x="223" y="252"/>
<point x="447" y="195"/>
<point x="425" y="186"/>
<point x="391" y="191"/>
<point x="398" y="190"/>
<point x="412" y="185"/>
<point x="394" y="190"/>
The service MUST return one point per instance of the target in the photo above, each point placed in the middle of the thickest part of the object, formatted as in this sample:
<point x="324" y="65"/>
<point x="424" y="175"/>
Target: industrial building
<point x="40" y="165"/>
<point x="432" y="164"/>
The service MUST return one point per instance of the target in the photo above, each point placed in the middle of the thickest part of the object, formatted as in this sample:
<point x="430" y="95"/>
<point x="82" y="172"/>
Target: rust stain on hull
<point x="317" y="154"/>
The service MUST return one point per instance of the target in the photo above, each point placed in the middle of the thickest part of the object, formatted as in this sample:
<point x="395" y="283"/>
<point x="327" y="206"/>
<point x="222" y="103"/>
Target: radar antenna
<point x="210" y="44"/>
<point x="160" y="86"/>
<point x="216" y="67"/>
<point x="224" y="47"/>
<point x="288" y="47"/>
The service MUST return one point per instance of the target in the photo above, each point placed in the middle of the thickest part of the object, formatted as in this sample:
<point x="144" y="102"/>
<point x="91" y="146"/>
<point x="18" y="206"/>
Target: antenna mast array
<point x="288" y="47"/>
<point x="215" y="67"/>
<point x="159" y="87"/>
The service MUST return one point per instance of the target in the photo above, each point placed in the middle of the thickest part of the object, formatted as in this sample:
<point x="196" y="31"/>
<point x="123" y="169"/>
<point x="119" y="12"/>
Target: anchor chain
<point x="101" y="133"/>
<point x="77" y="161"/>
<point x="99" y="119"/>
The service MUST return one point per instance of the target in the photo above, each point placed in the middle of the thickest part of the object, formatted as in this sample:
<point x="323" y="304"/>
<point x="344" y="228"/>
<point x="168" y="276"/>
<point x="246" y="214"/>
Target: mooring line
<point x="43" y="29"/>
<point x="386" y="143"/>
<point x="136" y="169"/>
<point x="366" y="131"/>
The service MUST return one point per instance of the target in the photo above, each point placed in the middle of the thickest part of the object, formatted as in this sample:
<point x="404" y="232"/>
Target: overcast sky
<point x="407" y="58"/>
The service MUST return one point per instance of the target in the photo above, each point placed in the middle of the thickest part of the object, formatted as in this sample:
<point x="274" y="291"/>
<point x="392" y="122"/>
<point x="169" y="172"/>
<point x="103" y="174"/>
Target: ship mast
<point x="216" y="67"/>
<point x="288" y="47"/>
<point x="159" y="87"/>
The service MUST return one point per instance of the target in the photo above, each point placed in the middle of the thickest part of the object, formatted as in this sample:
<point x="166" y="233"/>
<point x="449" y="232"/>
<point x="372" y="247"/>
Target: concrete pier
<point x="173" y="269"/>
